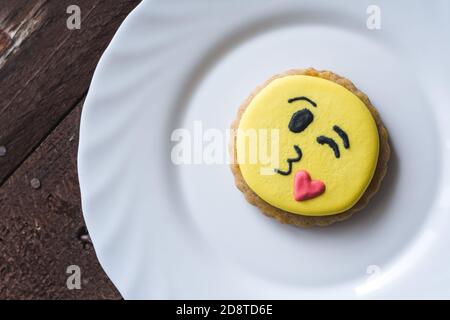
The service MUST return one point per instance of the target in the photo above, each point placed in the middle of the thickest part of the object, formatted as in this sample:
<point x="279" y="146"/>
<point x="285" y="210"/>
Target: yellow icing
<point x="346" y="178"/>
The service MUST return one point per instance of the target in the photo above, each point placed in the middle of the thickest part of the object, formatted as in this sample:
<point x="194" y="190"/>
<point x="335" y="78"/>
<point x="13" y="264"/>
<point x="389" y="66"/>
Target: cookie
<point x="308" y="148"/>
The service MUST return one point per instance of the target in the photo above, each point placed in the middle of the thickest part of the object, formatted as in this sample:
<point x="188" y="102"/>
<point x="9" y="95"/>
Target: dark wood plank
<point x="18" y="21"/>
<point x="44" y="77"/>
<point x="42" y="231"/>
<point x="45" y="70"/>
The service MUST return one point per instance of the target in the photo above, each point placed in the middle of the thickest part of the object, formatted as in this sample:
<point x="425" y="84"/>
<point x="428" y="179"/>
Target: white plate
<point x="167" y="231"/>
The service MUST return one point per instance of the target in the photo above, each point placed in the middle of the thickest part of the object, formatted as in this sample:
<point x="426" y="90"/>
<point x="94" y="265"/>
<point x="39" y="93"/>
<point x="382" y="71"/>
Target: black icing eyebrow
<point x="304" y="99"/>
<point x="331" y="143"/>
<point x="343" y="136"/>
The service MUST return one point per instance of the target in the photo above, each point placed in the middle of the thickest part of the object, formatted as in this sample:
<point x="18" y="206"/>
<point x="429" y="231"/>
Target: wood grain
<point x="42" y="231"/>
<point x="47" y="75"/>
<point x="18" y="21"/>
<point x="45" y="71"/>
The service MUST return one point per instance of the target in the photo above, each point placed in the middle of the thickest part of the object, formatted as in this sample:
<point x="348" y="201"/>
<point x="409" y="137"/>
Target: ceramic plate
<point x="165" y="230"/>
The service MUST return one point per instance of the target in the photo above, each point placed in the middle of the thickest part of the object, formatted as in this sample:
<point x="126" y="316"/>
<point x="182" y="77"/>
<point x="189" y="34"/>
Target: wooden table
<point x="45" y="71"/>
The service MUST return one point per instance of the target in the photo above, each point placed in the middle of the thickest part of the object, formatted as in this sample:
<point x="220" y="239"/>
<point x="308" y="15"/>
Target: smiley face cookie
<point x="308" y="148"/>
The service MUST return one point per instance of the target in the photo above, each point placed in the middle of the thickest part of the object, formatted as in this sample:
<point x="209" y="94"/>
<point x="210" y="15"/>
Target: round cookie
<point x="308" y="148"/>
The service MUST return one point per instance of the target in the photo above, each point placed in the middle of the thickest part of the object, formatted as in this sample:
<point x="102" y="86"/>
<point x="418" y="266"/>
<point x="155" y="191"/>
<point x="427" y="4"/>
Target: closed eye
<point x="331" y="143"/>
<point x="343" y="135"/>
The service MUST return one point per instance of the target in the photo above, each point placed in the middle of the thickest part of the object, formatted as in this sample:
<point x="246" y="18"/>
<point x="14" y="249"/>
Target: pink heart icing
<point x="305" y="188"/>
